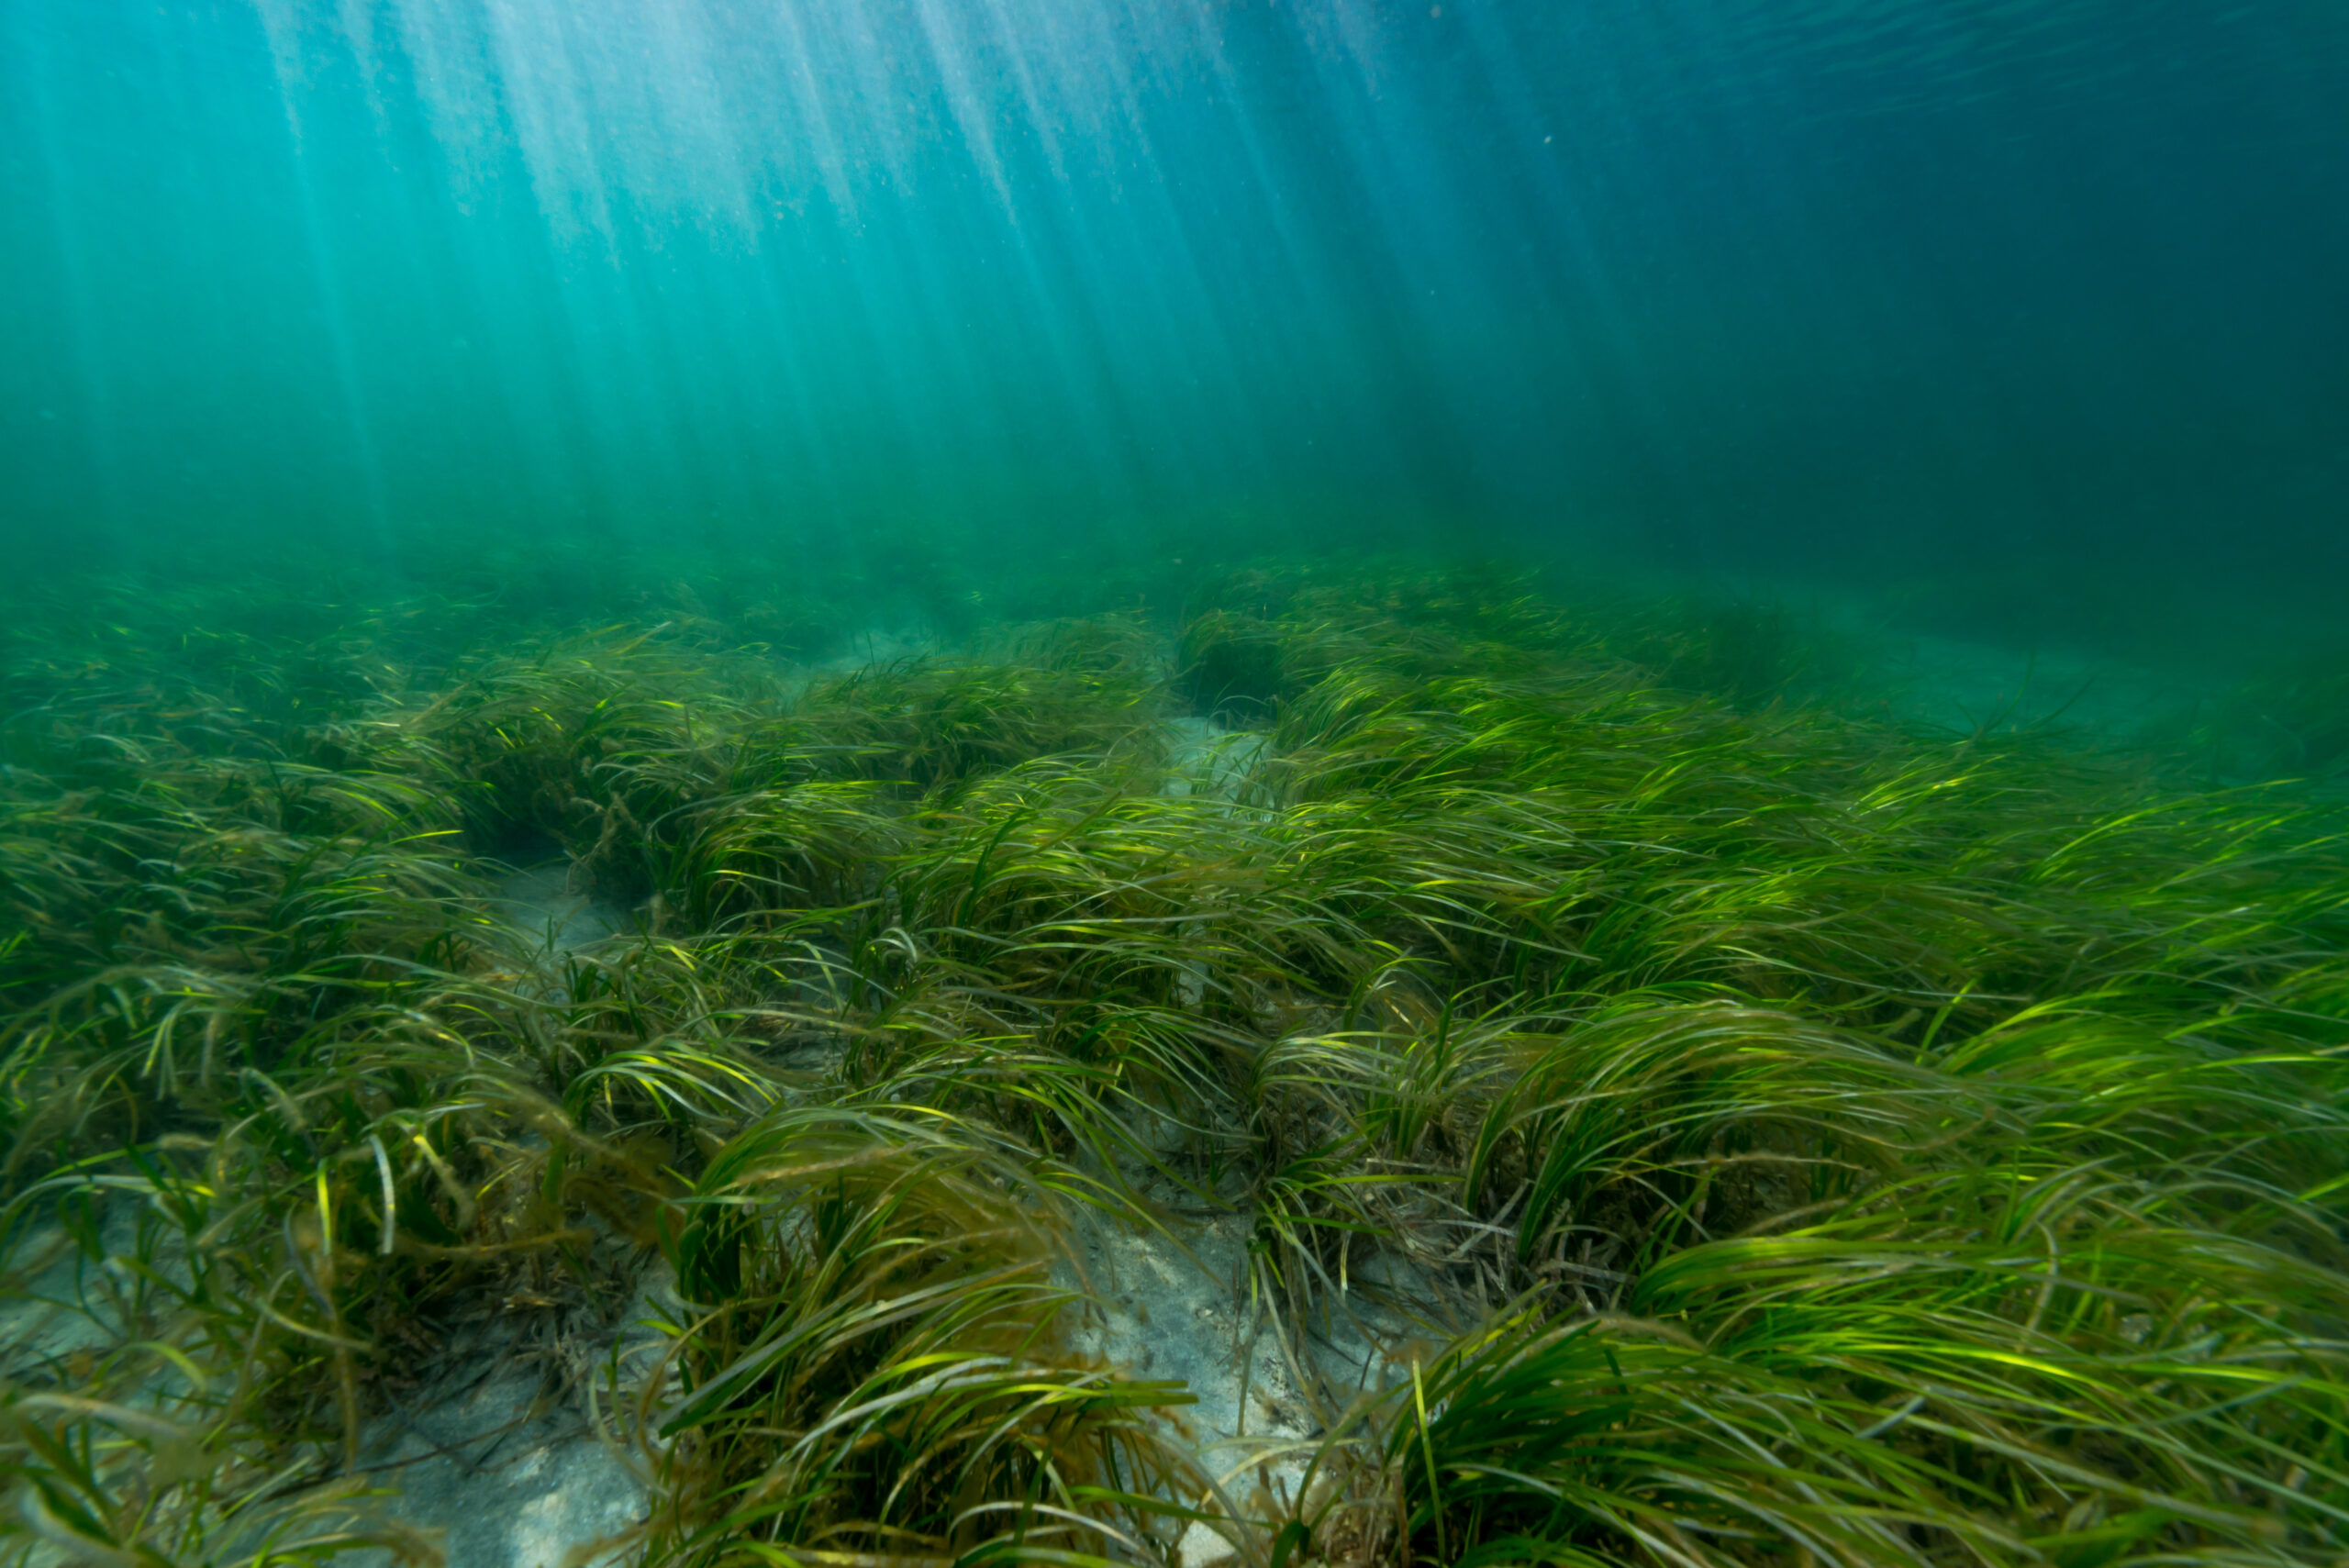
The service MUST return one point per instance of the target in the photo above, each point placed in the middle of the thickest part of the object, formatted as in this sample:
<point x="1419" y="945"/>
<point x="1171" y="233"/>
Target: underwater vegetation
<point x="1785" y="1137"/>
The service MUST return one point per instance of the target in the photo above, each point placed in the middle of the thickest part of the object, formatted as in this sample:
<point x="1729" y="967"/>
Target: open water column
<point x="1305" y="784"/>
<point x="2041" y="298"/>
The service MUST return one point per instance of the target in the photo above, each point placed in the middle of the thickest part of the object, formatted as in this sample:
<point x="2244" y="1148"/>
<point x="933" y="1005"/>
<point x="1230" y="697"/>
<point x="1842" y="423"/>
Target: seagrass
<point x="1820" y="1139"/>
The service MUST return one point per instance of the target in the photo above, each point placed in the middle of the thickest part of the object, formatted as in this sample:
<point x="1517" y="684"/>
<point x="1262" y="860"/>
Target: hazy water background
<point x="2034" y="312"/>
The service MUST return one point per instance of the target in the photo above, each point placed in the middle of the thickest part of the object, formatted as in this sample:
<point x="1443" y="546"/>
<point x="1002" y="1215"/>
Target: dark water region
<point x="1306" y="784"/>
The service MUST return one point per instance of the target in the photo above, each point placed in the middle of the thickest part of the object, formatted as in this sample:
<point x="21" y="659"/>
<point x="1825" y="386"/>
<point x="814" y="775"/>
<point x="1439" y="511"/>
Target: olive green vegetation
<point x="1818" y="1142"/>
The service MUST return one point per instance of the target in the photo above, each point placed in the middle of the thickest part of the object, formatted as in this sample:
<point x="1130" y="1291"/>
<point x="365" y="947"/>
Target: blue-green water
<point x="2034" y="311"/>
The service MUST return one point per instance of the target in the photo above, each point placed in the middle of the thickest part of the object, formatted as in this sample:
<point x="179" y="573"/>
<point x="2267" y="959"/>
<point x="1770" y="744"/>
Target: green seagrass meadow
<point x="1808" y="1139"/>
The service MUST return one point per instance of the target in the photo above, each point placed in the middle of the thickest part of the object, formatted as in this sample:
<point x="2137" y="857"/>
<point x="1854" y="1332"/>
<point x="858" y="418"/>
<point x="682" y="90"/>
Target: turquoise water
<point x="2030" y="311"/>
